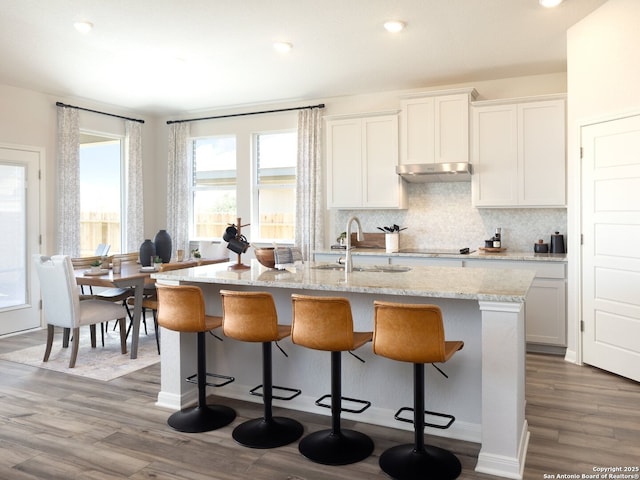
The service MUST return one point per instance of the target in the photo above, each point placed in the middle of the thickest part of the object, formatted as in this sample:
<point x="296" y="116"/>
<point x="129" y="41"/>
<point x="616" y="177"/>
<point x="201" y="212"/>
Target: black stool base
<point x="330" y="448"/>
<point x="404" y="462"/>
<point x="260" y="433"/>
<point x="201" y="419"/>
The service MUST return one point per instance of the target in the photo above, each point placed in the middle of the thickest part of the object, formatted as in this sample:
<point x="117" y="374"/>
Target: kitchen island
<point x="482" y="307"/>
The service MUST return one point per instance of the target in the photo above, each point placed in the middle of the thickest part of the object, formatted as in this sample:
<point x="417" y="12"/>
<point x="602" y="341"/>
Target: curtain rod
<point x="60" y="104"/>
<point x="321" y="105"/>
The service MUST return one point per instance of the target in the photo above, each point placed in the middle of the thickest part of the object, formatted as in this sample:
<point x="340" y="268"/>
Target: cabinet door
<point x="344" y="163"/>
<point x="451" y="128"/>
<point x="382" y="186"/>
<point x="494" y="156"/>
<point x="418" y="131"/>
<point x="541" y="153"/>
<point x="546" y="313"/>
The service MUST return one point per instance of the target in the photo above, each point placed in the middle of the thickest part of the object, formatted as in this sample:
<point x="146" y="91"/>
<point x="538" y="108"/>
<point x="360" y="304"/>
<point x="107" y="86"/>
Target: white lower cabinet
<point x="545" y="315"/>
<point x="546" y="312"/>
<point x="425" y="261"/>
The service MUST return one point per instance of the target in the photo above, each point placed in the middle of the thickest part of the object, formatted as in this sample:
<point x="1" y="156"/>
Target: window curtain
<point x="178" y="181"/>
<point x="309" y="191"/>
<point x="134" y="220"/>
<point x="68" y="185"/>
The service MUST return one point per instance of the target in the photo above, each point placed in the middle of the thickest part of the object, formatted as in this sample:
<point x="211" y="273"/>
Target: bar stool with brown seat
<point x="325" y="323"/>
<point x="252" y="317"/>
<point x="415" y="333"/>
<point x="181" y="308"/>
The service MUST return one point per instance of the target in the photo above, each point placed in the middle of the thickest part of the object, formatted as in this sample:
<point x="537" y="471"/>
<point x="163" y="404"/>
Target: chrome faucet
<point x="348" y="265"/>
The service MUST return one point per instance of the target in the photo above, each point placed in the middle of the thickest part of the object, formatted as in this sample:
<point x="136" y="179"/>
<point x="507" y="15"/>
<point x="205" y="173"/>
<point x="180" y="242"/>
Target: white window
<point x="274" y="190"/>
<point x="214" y="186"/>
<point x="101" y="192"/>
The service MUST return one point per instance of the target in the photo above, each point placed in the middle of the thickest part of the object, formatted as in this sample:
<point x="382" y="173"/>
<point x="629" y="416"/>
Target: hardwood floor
<point x="58" y="426"/>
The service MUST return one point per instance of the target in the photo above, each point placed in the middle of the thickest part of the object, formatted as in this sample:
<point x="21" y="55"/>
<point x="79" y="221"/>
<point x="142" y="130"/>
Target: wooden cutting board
<point x="370" y="240"/>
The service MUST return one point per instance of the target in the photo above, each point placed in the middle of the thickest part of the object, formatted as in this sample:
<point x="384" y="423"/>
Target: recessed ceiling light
<point x="83" y="26"/>
<point x="394" y="26"/>
<point x="282" y="47"/>
<point x="550" y="3"/>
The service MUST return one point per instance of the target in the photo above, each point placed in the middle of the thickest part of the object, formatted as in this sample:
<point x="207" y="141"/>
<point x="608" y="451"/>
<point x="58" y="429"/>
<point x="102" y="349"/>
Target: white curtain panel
<point x="178" y="181"/>
<point x="68" y="195"/>
<point x="309" y="190"/>
<point x="134" y="194"/>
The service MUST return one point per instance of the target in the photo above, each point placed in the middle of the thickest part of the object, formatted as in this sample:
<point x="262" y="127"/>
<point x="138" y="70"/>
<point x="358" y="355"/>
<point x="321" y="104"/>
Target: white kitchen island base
<point x="485" y="388"/>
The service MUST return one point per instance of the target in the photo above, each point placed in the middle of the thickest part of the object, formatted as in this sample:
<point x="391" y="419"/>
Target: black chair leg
<point x="202" y="417"/>
<point x="336" y="446"/>
<point x="157" y="330"/>
<point x="269" y="431"/>
<point x="414" y="461"/>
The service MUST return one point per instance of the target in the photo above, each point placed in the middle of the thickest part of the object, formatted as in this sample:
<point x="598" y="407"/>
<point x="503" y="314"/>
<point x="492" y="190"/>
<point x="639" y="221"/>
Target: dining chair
<point x="111" y="294"/>
<point x="102" y="250"/>
<point x="150" y="301"/>
<point x="62" y="306"/>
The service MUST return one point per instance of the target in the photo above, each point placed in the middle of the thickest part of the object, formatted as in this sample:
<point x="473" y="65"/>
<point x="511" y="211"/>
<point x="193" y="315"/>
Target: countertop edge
<point x="477" y="255"/>
<point x="331" y="281"/>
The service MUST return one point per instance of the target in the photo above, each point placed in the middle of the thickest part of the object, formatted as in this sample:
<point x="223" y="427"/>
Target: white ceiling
<point x="172" y="56"/>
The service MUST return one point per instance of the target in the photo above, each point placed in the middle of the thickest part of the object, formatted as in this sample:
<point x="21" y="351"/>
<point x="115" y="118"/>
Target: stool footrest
<point x="295" y="392"/>
<point x="367" y="404"/>
<point x="451" y="418"/>
<point x="194" y="379"/>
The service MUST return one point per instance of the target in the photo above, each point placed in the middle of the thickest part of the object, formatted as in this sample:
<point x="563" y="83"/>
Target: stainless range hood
<point x="435" y="172"/>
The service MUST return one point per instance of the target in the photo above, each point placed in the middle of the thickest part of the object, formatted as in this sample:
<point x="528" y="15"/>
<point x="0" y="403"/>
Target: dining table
<point x="131" y="275"/>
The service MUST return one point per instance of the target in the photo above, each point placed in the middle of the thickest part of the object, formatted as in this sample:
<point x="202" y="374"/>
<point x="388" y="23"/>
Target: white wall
<point x="29" y="118"/>
<point x="429" y="206"/>
<point x="603" y="77"/>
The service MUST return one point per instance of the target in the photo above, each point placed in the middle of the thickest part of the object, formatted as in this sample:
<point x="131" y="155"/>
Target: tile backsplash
<point x="440" y="215"/>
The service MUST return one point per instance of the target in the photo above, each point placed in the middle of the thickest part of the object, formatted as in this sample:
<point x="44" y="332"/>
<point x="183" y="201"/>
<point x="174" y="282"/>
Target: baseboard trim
<point x="504" y="466"/>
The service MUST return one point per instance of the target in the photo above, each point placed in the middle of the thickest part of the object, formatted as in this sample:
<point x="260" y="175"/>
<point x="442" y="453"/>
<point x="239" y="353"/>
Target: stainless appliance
<point x="435" y="172"/>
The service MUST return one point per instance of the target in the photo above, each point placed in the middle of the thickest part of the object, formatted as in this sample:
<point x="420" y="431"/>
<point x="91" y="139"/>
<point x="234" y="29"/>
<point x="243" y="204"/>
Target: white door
<point x="611" y="245"/>
<point x="19" y="237"/>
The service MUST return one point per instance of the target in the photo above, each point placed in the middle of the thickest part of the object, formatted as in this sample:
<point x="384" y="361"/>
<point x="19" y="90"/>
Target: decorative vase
<point x="163" y="246"/>
<point x="147" y="251"/>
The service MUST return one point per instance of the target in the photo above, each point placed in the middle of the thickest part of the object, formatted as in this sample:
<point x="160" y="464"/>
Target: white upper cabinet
<point x="518" y="153"/>
<point x="434" y="127"/>
<point x="362" y="155"/>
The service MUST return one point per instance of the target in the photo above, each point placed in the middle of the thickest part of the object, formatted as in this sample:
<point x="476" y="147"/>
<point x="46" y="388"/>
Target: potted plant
<point x="156" y="262"/>
<point x="195" y="253"/>
<point x="96" y="266"/>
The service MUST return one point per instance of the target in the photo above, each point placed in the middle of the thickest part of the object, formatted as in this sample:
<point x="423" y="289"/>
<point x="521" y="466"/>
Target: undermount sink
<point x="368" y="268"/>
<point x="390" y="268"/>
<point x="329" y="266"/>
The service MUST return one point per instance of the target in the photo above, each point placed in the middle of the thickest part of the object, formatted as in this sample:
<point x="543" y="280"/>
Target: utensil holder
<point x="391" y="242"/>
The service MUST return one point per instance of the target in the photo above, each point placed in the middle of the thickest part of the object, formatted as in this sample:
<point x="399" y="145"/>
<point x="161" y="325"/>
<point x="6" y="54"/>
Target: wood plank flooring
<point x="57" y="426"/>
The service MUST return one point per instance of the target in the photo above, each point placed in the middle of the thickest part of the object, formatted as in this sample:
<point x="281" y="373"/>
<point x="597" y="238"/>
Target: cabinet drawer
<point x="426" y="261"/>
<point x="542" y="269"/>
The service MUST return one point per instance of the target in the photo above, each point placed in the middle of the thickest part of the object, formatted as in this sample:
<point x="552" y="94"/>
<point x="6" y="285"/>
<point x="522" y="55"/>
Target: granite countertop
<point x="478" y="254"/>
<point x="510" y="285"/>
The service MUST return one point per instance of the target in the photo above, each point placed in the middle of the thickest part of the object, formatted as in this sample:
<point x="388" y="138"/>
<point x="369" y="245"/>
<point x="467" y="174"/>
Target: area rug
<point x="100" y="363"/>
